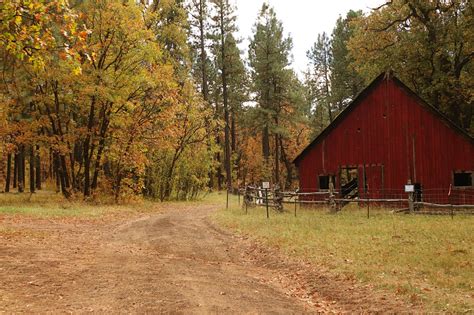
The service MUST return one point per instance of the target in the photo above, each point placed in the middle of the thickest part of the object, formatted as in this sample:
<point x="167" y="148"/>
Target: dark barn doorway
<point x="349" y="182"/>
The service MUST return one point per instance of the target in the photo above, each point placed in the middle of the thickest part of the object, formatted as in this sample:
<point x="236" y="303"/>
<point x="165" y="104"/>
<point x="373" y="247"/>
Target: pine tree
<point x="269" y="55"/>
<point x="199" y="36"/>
<point x="320" y="59"/>
<point x="224" y="24"/>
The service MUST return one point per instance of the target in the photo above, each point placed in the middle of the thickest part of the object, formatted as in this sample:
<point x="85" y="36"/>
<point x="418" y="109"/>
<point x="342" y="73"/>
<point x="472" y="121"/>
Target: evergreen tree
<point x="224" y="24"/>
<point x="320" y="60"/>
<point x="269" y="55"/>
<point x="199" y="36"/>
<point x="238" y="94"/>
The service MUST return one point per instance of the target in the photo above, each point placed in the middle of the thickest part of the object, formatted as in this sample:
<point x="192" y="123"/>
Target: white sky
<point x="302" y="19"/>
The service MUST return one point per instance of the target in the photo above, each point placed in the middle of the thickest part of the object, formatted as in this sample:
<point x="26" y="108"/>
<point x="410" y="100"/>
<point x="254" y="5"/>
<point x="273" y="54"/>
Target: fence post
<point x="411" y="199"/>
<point x="296" y="200"/>
<point x="332" y="203"/>
<point x="266" y="202"/>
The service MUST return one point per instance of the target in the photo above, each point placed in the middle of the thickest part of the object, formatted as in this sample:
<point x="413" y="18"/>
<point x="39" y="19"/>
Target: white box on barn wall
<point x="409" y="188"/>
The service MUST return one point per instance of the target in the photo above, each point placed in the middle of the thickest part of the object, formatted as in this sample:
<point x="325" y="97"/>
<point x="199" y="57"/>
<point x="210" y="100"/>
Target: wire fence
<point x="428" y="201"/>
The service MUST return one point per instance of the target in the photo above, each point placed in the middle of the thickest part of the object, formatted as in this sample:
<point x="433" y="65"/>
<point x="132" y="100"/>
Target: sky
<point x="302" y="19"/>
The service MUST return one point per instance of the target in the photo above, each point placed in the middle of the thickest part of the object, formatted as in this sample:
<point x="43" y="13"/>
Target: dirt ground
<point x="174" y="262"/>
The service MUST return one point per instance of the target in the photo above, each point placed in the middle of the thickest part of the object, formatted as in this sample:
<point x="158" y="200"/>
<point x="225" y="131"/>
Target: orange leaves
<point x="83" y="34"/>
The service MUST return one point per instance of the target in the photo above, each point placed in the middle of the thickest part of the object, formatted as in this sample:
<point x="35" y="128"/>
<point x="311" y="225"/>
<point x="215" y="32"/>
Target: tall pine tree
<point x="269" y="55"/>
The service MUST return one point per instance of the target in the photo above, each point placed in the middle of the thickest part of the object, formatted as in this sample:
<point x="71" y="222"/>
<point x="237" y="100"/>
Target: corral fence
<point x="431" y="201"/>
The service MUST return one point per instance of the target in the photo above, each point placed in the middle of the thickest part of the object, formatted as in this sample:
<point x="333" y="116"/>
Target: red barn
<point x="385" y="137"/>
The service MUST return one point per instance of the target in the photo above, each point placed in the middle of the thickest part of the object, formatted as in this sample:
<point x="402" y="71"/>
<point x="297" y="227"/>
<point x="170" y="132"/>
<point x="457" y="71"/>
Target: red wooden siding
<point x="392" y="136"/>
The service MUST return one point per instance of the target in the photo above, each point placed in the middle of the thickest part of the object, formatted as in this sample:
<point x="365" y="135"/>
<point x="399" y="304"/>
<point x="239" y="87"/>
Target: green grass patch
<point x="419" y="257"/>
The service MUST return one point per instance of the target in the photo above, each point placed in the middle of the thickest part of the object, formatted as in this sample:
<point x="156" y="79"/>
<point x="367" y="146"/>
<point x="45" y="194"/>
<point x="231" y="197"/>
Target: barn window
<point x="324" y="181"/>
<point x="462" y="179"/>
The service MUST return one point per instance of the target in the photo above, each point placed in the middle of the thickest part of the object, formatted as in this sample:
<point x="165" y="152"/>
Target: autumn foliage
<point x="156" y="98"/>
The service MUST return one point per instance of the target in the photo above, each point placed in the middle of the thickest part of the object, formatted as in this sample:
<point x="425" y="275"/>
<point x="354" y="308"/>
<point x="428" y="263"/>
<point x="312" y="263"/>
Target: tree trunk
<point x="72" y="162"/>
<point x="225" y="96"/>
<point x="277" y="160"/>
<point x="15" y="170"/>
<point x="233" y="131"/>
<point x="87" y="165"/>
<point x="56" y="171"/>
<point x="100" y="150"/>
<point x="266" y="143"/>
<point x="21" y="169"/>
<point x="88" y="149"/>
<point x="97" y="166"/>
<point x="63" y="176"/>
<point x="51" y="163"/>
<point x="202" y="38"/>
<point x="65" y="172"/>
<point x="204" y="80"/>
<point x="32" y="169"/>
<point x="288" y="166"/>
<point x="9" y="167"/>
<point x="38" y="169"/>
<point x="169" y="179"/>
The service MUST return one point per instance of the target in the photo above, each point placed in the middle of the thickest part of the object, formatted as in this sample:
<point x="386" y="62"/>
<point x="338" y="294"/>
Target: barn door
<point x="374" y="181"/>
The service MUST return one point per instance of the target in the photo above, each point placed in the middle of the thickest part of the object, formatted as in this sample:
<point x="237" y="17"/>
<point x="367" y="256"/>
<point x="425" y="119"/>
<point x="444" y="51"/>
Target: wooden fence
<point x="275" y="198"/>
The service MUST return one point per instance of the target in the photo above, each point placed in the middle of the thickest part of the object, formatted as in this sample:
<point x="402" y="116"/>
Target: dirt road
<point x="173" y="262"/>
<point x="176" y="262"/>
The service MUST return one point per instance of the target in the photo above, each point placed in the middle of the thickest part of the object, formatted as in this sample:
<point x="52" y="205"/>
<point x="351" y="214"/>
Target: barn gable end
<point x="385" y="137"/>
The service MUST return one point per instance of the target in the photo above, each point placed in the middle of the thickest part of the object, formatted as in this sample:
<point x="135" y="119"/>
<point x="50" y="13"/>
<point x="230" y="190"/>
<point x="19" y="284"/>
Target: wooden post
<point x="296" y="200"/>
<point x="266" y="202"/>
<point x="332" y="203"/>
<point x="411" y="204"/>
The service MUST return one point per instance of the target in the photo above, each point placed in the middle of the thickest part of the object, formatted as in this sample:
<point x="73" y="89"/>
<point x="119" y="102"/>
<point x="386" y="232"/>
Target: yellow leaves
<point x="77" y="70"/>
<point x="17" y="19"/>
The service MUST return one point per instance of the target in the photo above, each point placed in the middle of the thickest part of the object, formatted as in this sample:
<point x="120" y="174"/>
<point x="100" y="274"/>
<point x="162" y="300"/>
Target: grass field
<point x="427" y="258"/>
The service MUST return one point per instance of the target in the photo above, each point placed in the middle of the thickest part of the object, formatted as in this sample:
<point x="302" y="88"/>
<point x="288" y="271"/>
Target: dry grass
<point x="49" y="204"/>
<point x="427" y="258"/>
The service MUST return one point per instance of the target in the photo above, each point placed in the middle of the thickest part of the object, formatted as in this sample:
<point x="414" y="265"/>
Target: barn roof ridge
<point x="357" y="100"/>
